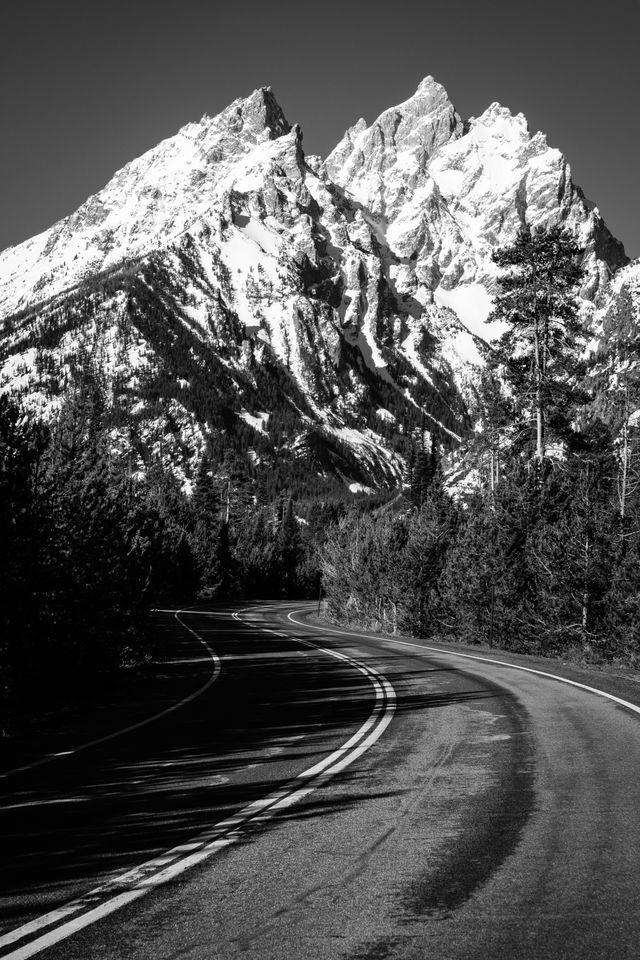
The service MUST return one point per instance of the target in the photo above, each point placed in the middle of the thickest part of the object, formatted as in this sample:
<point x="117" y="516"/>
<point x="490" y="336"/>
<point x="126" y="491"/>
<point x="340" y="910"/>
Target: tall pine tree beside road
<point x="537" y="354"/>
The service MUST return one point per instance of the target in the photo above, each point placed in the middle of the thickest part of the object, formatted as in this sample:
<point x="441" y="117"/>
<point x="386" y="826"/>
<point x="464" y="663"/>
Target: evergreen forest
<point x="543" y="554"/>
<point x="540" y="554"/>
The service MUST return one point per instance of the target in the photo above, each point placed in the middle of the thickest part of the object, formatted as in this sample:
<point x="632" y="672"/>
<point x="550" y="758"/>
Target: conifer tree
<point x="223" y="563"/>
<point x="205" y="507"/>
<point x="25" y="543"/>
<point x="418" y="568"/>
<point x="410" y="473"/>
<point x="493" y="419"/>
<point x="289" y="550"/>
<point x="255" y="555"/>
<point x="538" y="353"/>
<point x="425" y="463"/>
<point x="618" y="378"/>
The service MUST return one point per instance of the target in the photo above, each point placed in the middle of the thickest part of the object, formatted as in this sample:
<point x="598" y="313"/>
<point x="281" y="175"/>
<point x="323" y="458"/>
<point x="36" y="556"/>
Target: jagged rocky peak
<point x="326" y="310"/>
<point x="255" y="116"/>
<point x="401" y="140"/>
<point x="154" y="197"/>
<point x="445" y="193"/>
<point x="497" y="113"/>
<point x="225" y="273"/>
<point x="423" y="123"/>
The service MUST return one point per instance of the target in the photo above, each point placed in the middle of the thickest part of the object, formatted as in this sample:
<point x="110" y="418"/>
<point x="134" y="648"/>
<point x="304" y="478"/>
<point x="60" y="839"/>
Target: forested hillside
<point x="544" y="555"/>
<point x="89" y="546"/>
<point x="406" y="376"/>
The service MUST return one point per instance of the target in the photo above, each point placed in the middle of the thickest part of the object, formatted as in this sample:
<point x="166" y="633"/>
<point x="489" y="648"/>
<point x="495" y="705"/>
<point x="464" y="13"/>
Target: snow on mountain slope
<point x="253" y="276"/>
<point x="230" y="292"/>
<point x="151" y="199"/>
<point x="444" y="195"/>
<point x="617" y="321"/>
<point x="383" y="165"/>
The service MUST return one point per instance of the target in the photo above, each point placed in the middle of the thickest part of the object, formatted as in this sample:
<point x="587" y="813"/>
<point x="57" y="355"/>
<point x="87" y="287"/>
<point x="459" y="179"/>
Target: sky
<point x="87" y="86"/>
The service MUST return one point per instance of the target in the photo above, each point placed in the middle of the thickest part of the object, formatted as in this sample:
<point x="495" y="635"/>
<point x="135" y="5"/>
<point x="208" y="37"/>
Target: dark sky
<point x="87" y="86"/>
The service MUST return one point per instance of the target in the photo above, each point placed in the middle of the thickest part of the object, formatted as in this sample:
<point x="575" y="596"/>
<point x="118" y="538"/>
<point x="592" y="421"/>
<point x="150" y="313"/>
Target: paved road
<point x="417" y="805"/>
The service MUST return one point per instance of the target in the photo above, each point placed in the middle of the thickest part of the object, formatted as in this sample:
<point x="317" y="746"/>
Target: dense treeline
<point x="89" y="546"/>
<point x="544" y="555"/>
<point x="541" y="566"/>
<point x="82" y="550"/>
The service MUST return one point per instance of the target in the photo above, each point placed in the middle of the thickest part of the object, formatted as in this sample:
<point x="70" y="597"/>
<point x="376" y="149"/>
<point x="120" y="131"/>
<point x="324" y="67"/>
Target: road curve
<point x="496" y="816"/>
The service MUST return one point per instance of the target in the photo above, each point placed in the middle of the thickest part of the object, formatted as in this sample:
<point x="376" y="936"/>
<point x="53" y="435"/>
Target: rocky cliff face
<point x="151" y="200"/>
<point x="444" y="194"/>
<point x="228" y="290"/>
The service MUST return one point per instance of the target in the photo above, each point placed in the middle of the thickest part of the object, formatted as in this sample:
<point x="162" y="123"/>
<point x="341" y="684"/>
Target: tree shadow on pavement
<point x="277" y="708"/>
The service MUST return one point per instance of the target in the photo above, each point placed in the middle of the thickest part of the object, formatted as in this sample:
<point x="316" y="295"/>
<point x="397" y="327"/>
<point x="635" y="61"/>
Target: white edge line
<point x="258" y="811"/>
<point x="471" y="656"/>
<point x="141" y="723"/>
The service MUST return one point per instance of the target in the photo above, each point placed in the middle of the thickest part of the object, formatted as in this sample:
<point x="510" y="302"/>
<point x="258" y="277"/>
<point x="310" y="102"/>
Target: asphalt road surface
<point x="317" y="793"/>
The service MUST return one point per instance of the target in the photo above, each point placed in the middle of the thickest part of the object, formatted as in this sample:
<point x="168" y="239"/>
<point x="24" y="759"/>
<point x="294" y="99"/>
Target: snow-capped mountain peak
<point x="255" y="116"/>
<point x="395" y="149"/>
<point x="306" y="309"/>
<point x="447" y="193"/>
<point x="156" y="196"/>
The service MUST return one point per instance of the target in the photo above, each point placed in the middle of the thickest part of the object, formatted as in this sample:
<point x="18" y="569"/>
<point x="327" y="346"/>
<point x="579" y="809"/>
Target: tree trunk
<point x="493" y="609"/>
<point x="539" y="424"/>
<point x="625" y="457"/>
<point x="539" y="361"/>
<point x="585" y="589"/>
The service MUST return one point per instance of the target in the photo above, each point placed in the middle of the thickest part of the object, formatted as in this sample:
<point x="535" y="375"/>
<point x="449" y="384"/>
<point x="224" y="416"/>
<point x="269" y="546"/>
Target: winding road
<point x="321" y="793"/>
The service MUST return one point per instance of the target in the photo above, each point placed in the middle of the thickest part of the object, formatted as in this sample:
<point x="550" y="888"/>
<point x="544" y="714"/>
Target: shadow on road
<point x="277" y="708"/>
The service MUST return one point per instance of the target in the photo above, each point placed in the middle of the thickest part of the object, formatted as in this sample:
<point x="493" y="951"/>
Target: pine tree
<point x="418" y="569"/>
<point x="423" y="473"/>
<point x="205" y="507"/>
<point x="410" y="473"/>
<point x="485" y="584"/>
<point x="290" y="551"/>
<point x="538" y="351"/>
<point x="493" y="419"/>
<point x="224" y="564"/>
<point x="617" y="376"/>
<point x="25" y="544"/>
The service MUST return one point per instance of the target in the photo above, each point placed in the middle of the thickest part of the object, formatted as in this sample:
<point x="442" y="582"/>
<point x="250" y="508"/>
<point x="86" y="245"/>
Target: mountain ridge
<point x="354" y="289"/>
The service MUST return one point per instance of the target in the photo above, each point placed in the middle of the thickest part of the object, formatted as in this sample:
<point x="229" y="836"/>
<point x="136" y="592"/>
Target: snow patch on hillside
<point x="472" y="304"/>
<point x="258" y="421"/>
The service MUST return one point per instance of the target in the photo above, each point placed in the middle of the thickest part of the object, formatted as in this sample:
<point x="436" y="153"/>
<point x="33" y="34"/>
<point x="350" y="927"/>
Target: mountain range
<point x="231" y="294"/>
